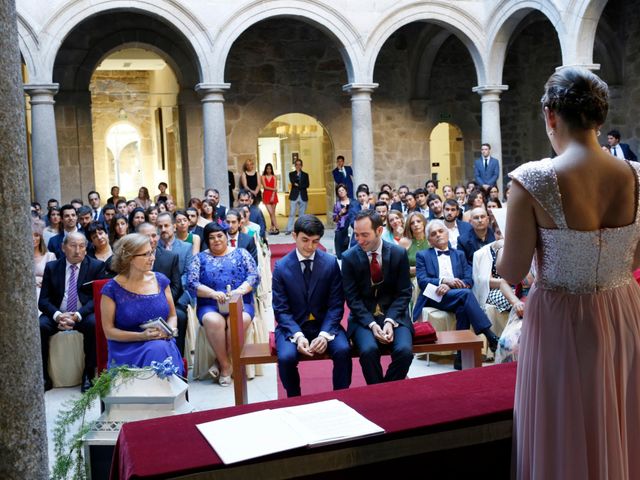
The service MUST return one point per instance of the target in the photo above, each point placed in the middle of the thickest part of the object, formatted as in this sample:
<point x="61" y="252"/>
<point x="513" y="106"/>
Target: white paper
<point x="430" y="292"/>
<point x="270" y="431"/>
<point x="327" y="422"/>
<point x="249" y="436"/>
<point x="500" y="214"/>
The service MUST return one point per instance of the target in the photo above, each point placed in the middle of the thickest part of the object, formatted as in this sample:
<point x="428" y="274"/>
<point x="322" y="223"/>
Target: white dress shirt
<point x="444" y="264"/>
<point x="63" y="304"/>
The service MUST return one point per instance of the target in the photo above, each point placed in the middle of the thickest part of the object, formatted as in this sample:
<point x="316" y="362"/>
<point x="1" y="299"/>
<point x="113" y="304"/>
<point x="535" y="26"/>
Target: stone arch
<point x="507" y="16"/>
<point x="176" y="16"/>
<point x="316" y="13"/>
<point x="447" y="15"/>
<point x="28" y="44"/>
<point x="584" y="28"/>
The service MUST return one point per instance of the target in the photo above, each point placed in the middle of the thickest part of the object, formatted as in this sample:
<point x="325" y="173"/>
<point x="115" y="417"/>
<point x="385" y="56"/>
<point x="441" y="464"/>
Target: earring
<point x="550" y="133"/>
<point x="598" y="133"/>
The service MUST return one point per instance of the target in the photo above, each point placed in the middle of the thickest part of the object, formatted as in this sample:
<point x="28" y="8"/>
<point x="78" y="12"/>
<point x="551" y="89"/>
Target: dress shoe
<point x="457" y="361"/>
<point x="86" y="383"/>
<point x="493" y="340"/>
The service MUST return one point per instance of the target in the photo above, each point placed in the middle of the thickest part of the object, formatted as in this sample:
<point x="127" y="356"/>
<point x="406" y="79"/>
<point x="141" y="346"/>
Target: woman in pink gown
<point x="577" y="405"/>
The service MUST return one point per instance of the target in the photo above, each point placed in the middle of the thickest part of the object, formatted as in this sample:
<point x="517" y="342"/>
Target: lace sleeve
<point x="252" y="274"/>
<point x="193" y="275"/>
<point x="108" y="290"/>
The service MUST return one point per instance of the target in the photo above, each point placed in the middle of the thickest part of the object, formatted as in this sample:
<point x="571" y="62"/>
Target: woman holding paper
<point x="135" y="296"/>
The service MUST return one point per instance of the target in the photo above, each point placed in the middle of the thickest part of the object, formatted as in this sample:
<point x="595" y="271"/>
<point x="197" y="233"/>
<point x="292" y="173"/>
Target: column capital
<point x="587" y="66"/>
<point x="41" y="93"/>
<point x="354" y="88"/>
<point x="490" y="93"/>
<point x="212" y="92"/>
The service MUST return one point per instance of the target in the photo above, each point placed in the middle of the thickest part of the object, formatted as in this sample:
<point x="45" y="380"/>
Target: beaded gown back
<point x="577" y="407"/>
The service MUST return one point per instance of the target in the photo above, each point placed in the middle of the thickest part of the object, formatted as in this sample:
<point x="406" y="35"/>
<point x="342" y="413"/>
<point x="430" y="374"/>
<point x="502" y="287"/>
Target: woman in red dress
<point x="270" y="195"/>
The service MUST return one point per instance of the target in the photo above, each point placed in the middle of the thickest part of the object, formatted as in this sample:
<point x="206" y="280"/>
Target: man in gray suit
<point x="168" y="263"/>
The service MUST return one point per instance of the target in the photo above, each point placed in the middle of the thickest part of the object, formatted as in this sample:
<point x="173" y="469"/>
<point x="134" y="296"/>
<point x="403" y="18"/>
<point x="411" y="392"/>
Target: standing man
<point x="375" y="276"/>
<point x="486" y="168"/>
<point x="620" y="150"/>
<point x="66" y="302"/>
<point x="298" y="197"/>
<point x="94" y="202"/>
<point x="308" y="303"/>
<point x="343" y="174"/>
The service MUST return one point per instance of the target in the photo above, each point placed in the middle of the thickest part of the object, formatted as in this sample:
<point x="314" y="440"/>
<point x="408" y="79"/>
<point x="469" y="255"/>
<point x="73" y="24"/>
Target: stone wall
<point x="531" y="59"/>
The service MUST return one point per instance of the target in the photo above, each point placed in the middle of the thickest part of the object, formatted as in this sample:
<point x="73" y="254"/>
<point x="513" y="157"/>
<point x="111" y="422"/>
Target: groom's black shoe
<point x="457" y="361"/>
<point x="492" y="339"/>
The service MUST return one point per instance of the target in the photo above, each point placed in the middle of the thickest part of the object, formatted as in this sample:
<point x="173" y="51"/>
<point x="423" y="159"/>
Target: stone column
<point x="23" y="434"/>
<point x="490" y="98"/>
<point x="44" y="144"/>
<point x="215" y="138"/>
<point x="362" y="133"/>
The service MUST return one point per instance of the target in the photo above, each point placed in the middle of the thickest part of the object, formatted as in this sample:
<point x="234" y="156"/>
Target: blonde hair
<point x="407" y="226"/>
<point x="125" y="249"/>
<point x="37" y="226"/>
<point x="246" y="163"/>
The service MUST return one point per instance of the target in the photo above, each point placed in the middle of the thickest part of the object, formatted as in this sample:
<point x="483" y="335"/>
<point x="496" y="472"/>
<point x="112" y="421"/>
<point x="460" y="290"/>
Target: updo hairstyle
<point x="125" y="249"/>
<point x="577" y="95"/>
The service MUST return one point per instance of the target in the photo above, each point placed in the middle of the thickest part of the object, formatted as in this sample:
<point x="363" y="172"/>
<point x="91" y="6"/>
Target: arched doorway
<point x="446" y="151"/>
<point x="135" y="123"/>
<point x="292" y="136"/>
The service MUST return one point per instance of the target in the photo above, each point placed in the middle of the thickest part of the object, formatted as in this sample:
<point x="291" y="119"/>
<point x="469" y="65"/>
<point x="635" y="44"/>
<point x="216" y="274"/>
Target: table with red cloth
<point x="467" y="413"/>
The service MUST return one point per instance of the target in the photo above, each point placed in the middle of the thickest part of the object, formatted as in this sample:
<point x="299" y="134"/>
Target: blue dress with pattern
<point x="217" y="272"/>
<point x="133" y="309"/>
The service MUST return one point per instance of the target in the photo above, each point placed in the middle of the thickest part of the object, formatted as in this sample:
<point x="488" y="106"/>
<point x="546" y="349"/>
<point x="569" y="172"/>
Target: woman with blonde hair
<point x="135" y="296"/>
<point x="394" y="231"/>
<point x="250" y="180"/>
<point x="415" y="238"/>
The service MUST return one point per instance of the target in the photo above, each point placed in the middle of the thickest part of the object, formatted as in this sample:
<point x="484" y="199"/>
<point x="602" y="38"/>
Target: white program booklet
<point x="430" y="292"/>
<point x="256" y="434"/>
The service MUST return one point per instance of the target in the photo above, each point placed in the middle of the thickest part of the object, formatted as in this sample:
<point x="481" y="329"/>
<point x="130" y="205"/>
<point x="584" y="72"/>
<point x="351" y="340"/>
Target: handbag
<point x="424" y="333"/>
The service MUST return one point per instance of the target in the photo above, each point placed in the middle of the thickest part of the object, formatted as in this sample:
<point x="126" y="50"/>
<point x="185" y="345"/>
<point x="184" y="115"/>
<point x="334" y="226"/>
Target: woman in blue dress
<point x="208" y="276"/>
<point x="135" y="296"/>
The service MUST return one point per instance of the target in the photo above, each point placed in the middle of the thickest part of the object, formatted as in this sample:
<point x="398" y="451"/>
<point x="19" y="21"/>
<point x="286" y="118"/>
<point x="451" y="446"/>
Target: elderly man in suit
<point x="171" y="262"/>
<point x="308" y="303"/>
<point x="66" y="302"/>
<point x="486" y="169"/>
<point x="375" y="277"/>
<point x="298" y="198"/>
<point x="343" y="174"/>
<point x="447" y="270"/>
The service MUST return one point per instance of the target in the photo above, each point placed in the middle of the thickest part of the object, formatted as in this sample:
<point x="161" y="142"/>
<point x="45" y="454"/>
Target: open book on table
<point x="256" y="434"/>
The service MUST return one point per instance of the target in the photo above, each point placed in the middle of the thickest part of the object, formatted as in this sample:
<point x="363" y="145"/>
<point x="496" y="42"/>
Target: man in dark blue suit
<point x="69" y="225"/>
<point x="447" y="270"/>
<point x="375" y="277"/>
<point x="343" y="175"/>
<point x="486" y="169"/>
<point x="308" y="303"/>
<point x="97" y="214"/>
<point x="66" y="302"/>
<point x="621" y="150"/>
<point x="213" y="195"/>
<point x="479" y="235"/>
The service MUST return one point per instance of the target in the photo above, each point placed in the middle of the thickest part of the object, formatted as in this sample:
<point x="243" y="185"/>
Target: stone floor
<point x="205" y="395"/>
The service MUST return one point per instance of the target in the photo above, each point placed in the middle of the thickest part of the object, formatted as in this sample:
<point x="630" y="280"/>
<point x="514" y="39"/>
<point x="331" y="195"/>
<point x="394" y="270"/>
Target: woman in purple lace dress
<point x="133" y="297"/>
<point x="208" y="275"/>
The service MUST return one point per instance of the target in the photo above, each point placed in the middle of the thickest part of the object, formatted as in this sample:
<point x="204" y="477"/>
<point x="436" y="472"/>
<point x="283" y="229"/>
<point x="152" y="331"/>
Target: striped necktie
<point x="72" y="290"/>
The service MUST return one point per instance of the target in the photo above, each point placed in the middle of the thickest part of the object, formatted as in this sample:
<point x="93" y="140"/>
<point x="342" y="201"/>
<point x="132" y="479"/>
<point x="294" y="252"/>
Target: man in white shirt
<point x="620" y="150"/>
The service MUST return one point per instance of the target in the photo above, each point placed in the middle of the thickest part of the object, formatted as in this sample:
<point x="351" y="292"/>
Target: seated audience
<point x="453" y="223"/>
<point x="99" y="237"/>
<point x="394" y="230"/>
<point x="181" y="222"/>
<point x="448" y="271"/>
<point x="136" y="217"/>
<point x="131" y="205"/>
<point x="108" y="212"/>
<point x="151" y="214"/>
<point x="474" y="200"/>
<point x="415" y="238"/>
<point x="410" y="203"/>
<point x="54" y="224"/>
<point x="122" y="207"/>
<point x="210" y="276"/>
<point x="448" y="193"/>
<point x="308" y="303"/>
<point x="245" y="197"/>
<point x="41" y="256"/>
<point x="420" y="195"/>
<point x="382" y="208"/>
<point x="493" y="223"/>
<point x="400" y="204"/>
<point x="135" y="296"/>
<point x="461" y="197"/>
<point x="435" y="207"/>
<point x="193" y="214"/>
<point x="238" y="239"/>
<point x="494" y="193"/>
<point x="118" y="228"/>
<point x="66" y="301"/>
<point x="85" y="217"/>
<point x="209" y="213"/>
<point x="69" y="225"/>
<point x="430" y="187"/>
<point x="479" y="235"/>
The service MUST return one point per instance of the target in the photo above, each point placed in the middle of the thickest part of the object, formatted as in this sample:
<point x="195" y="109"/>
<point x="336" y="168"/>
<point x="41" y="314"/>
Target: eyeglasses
<point x="148" y="254"/>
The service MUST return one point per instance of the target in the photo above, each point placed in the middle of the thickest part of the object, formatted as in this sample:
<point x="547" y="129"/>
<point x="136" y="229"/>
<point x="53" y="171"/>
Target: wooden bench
<point x="464" y="340"/>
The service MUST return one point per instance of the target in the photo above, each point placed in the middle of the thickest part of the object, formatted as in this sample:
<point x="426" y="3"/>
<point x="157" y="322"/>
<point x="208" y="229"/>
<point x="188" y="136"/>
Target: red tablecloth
<point x="172" y="446"/>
